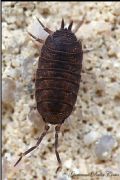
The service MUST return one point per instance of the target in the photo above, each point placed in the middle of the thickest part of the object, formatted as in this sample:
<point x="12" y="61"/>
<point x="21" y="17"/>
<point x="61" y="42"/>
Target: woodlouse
<point x="57" y="79"/>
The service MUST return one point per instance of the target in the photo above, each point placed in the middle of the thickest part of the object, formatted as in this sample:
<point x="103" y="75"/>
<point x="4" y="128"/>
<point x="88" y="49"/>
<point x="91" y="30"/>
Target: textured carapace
<point x="58" y="75"/>
<point x="57" y="79"/>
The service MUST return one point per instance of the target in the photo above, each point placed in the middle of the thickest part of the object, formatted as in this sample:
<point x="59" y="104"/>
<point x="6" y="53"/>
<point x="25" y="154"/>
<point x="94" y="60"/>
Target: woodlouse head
<point x="64" y="35"/>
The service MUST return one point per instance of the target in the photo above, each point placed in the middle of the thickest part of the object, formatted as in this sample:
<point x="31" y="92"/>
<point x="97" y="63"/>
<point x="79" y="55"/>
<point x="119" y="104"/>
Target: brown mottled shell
<point x="58" y="76"/>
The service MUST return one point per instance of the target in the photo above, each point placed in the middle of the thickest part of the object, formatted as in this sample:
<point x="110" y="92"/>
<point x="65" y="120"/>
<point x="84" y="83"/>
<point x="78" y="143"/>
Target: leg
<point x="93" y="48"/>
<point x="79" y="24"/>
<point x="37" y="39"/>
<point x="57" y="129"/>
<point x="88" y="50"/>
<point x="34" y="147"/>
<point x="45" y="28"/>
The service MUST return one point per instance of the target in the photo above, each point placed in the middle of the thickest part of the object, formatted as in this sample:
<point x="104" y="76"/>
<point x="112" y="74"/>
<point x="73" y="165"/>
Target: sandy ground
<point x="97" y="110"/>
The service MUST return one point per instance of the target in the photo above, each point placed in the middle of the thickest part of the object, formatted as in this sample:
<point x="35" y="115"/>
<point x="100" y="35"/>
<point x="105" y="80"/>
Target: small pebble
<point x="8" y="91"/>
<point x="68" y="163"/>
<point x="27" y="69"/>
<point x="64" y="177"/>
<point x="75" y="171"/>
<point x="90" y="138"/>
<point x="116" y="159"/>
<point x="36" y="119"/>
<point x="104" y="147"/>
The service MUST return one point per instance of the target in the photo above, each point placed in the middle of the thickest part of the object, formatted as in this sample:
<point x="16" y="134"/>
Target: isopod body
<point x="57" y="79"/>
<point x="58" y="76"/>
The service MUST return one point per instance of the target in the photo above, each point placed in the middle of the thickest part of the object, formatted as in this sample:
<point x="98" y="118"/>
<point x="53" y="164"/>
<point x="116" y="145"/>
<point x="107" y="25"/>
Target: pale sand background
<point x="97" y="109"/>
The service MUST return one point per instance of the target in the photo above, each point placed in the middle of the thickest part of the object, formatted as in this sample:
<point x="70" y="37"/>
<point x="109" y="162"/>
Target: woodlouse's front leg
<point x="88" y="50"/>
<point x="37" y="39"/>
